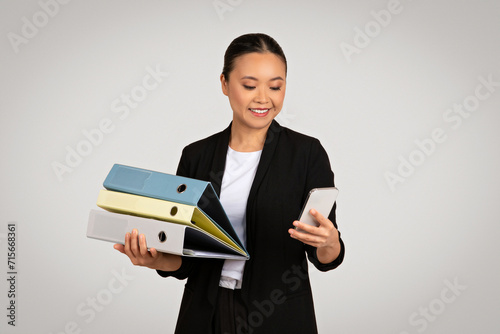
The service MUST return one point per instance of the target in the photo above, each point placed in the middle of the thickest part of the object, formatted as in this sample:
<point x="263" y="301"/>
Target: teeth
<point x="260" y="111"/>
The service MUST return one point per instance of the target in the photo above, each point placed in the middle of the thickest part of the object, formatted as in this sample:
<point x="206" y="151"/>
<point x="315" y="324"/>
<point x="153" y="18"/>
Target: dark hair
<point x="249" y="43"/>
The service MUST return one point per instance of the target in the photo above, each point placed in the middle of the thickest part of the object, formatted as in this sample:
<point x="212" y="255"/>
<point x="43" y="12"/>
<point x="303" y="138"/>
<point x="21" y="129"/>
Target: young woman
<point x="262" y="173"/>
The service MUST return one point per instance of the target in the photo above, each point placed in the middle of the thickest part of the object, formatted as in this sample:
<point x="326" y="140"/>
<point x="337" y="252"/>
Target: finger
<point x="325" y="224"/>
<point x="134" y="243"/>
<point x="301" y="234"/>
<point x="154" y="253"/>
<point x="120" y="248"/>
<point x="306" y="238"/>
<point x="126" y="248"/>
<point x="308" y="234"/>
<point x="304" y="227"/>
<point x="143" y="248"/>
<point x="322" y="220"/>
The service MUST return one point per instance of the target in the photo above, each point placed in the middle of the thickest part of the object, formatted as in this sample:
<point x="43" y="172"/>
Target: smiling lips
<point x="260" y="112"/>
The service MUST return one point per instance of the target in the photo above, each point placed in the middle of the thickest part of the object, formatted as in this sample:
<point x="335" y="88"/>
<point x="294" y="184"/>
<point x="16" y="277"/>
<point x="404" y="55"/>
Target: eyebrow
<point x="254" y="78"/>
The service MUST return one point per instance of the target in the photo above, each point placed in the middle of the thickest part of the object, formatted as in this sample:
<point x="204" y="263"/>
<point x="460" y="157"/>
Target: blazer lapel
<point x="267" y="155"/>
<point x="219" y="160"/>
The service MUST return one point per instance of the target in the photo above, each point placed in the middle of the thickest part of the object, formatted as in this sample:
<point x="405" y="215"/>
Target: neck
<point x="247" y="140"/>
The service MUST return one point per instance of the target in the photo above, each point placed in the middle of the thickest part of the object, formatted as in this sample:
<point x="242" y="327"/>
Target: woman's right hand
<point x="137" y="250"/>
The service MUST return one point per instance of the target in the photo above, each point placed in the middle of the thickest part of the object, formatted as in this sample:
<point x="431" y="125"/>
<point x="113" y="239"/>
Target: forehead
<point x="262" y="66"/>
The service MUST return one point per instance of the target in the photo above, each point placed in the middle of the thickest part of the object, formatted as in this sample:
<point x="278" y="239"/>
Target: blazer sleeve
<point x="319" y="174"/>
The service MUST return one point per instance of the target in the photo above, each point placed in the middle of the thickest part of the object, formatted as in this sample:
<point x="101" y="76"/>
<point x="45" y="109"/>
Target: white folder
<point x="164" y="236"/>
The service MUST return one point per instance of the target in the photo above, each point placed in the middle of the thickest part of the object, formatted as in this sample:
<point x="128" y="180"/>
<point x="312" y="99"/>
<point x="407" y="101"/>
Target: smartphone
<point x="320" y="199"/>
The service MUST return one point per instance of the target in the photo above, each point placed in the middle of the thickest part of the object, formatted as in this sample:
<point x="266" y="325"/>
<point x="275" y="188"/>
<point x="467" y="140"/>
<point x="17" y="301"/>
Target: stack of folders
<point x="178" y="215"/>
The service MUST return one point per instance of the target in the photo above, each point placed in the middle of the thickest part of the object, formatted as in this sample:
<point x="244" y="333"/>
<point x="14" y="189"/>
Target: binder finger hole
<point x="182" y="188"/>
<point x="162" y="236"/>
<point x="173" y="211"/>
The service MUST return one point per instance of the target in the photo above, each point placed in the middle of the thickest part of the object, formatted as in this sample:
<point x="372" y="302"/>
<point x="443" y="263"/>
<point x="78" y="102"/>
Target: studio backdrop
<point x="404" y="96"/>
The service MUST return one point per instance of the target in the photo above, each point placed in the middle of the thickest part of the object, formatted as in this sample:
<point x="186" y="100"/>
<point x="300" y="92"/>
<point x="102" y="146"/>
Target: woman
<point x="262" y="173"/>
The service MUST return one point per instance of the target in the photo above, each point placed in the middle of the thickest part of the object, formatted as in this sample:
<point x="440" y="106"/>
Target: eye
<point x="275" y="88"/>
<point x="249" y="87"/>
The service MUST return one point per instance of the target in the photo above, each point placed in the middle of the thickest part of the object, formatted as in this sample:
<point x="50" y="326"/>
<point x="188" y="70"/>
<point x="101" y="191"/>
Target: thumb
<point x="120" y="248"/>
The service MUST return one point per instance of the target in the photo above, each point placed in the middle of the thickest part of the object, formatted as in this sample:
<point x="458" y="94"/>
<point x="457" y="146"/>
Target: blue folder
<point x="172" y="188"/>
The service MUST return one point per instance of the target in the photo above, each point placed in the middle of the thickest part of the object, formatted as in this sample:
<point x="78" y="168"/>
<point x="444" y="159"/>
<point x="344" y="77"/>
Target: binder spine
<point x="119" y="202"/>
<point x="160" y="235"/>
<point x="153" y="184"/>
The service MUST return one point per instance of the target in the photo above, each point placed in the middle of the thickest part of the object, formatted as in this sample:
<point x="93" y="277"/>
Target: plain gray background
<point x="422" y="252"/>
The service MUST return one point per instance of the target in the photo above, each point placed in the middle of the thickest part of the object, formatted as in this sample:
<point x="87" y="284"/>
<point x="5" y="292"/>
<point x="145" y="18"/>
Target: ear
<point x="224" y="84"/>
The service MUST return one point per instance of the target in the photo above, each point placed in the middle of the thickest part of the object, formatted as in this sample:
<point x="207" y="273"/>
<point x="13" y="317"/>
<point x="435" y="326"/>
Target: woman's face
<point x="256" y="89"/>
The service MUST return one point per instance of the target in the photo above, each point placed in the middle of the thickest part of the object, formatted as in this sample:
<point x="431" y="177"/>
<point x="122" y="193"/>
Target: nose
<point x="261" y="96"/>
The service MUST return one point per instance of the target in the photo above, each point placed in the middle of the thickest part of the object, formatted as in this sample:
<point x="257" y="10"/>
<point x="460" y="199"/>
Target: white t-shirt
<point x="236" y="183"/>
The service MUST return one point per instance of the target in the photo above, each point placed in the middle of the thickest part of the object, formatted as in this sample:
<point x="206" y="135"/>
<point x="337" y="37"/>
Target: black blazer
<point x="275" y="287"/>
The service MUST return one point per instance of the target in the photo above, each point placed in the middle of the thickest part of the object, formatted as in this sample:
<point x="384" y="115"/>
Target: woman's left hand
<point x="325" y="237"/>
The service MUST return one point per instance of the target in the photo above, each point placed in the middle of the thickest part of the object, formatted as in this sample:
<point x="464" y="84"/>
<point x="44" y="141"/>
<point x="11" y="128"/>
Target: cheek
<point x="279" y="99"/>
<point x="239" y="97"/>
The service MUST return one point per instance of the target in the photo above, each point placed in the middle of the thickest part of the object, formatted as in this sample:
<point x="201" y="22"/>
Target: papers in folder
<point x="177" y="215"/>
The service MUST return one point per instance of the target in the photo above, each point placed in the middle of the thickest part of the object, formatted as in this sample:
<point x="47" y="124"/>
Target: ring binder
<point x="179" y="215"/>
<point x="163" y="236"/>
